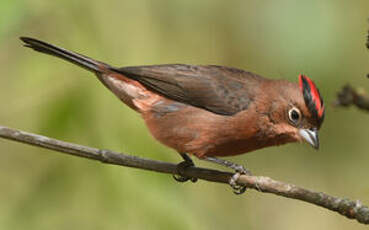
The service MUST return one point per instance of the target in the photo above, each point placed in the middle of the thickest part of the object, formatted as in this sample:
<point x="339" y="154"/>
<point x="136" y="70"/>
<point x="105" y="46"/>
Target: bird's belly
<point x="232" y="147"/>
<point x="196" y="131"/>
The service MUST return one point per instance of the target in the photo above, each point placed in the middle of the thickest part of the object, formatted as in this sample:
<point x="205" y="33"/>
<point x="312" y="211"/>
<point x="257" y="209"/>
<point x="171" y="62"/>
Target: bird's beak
<point x="310" y="136"/>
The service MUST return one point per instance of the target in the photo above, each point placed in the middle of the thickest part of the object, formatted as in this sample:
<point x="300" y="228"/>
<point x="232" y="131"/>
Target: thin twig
<point x="350" y="209"/>
<point x="351" y="96"/>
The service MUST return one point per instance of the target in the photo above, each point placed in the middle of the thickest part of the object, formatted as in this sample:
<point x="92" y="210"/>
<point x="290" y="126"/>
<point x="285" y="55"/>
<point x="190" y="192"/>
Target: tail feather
<point x="75" y="58"/>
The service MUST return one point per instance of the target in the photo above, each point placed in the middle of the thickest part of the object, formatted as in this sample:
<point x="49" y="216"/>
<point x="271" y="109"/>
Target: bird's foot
<point x="237" y="189"/>
<point x="240" y="170"/>
<point x="181" y="167"/>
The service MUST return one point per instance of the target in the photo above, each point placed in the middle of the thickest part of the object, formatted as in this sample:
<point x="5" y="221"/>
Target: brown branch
<point x="351" y="96"/>
<point x="350" y="209"/>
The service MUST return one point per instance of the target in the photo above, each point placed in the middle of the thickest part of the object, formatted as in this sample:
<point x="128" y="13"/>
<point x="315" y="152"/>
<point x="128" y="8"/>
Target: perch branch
<point x="345" y="207"/>
<point x="351" y="96"/>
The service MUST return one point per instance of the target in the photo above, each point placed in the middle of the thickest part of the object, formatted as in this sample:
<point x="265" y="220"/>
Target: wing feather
<point x="221" y="90"/>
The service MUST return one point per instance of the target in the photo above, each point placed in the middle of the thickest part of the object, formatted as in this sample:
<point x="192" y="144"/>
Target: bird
<point x="209" y="111"/>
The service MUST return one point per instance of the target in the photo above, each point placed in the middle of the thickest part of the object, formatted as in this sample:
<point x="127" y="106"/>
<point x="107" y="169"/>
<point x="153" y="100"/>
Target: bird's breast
<point x="193" y="130"/>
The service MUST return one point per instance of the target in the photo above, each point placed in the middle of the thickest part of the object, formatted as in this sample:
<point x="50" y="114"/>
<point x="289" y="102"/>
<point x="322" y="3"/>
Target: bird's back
<point x="218" y="89"/>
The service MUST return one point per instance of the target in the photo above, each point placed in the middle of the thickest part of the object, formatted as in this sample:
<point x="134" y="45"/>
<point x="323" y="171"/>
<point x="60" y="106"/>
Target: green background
<point x="41" y="189"/>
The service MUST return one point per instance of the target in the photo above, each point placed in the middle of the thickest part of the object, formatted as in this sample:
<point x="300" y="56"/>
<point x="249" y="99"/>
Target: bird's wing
<point x="221" y="90"/>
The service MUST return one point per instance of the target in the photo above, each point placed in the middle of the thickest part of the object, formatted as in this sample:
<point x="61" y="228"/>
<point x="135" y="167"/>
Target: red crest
<point x="312" y="97"/>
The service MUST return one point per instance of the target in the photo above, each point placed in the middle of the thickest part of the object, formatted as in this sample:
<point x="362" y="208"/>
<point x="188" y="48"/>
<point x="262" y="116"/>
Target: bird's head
<point x="300" y="111"/>
<point x="314" y="115"/>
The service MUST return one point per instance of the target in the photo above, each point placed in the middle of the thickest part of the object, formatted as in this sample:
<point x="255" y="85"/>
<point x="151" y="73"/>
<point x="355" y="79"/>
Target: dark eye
<point x="294" y="115"/>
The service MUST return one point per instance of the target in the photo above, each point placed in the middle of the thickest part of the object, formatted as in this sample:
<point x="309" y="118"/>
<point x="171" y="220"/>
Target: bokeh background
<point x="41" y="189"/>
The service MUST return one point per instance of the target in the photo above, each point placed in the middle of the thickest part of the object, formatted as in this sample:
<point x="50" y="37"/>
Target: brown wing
<point x="221" y="90"/>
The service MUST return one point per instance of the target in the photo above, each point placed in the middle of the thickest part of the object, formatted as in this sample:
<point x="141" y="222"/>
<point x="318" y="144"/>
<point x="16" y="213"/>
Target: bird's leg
<point x="182" y="166"/>
<point x="237" y="189"/>
<point x="236" y="167"/>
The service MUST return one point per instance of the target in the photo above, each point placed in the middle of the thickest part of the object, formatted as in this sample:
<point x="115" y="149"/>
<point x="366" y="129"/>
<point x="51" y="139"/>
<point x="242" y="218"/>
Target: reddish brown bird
<point x="209" y="111"/>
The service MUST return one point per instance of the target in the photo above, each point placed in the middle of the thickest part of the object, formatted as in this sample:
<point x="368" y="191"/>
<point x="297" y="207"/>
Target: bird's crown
<point x="313" y="100"/>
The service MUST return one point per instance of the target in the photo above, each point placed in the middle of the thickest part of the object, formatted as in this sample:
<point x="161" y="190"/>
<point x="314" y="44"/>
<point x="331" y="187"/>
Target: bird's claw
<point x="180" y="168"/>
<point x="182" y="179"/>
<point x="240" y="170"/>
<point x="237" y="189"/>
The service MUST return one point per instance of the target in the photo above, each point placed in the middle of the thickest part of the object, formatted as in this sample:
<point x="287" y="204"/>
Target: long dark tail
<point x="78" y="59"/>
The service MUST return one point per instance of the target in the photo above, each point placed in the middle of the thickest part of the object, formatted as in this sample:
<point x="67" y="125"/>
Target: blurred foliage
<point x="280" y="39"/>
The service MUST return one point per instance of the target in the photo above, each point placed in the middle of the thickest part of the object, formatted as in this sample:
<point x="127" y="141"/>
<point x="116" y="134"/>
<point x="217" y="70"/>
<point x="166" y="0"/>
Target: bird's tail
<point x="75" y="58"/>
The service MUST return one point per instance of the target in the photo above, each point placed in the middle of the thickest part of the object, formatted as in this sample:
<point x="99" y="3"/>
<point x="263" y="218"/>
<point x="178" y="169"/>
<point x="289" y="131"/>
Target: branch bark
<point x="351" y="96"/>
<point x="345" y="207"/>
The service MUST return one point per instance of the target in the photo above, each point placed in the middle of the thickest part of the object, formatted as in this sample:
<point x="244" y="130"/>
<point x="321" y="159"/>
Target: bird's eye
<point x="294" y="115"/>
